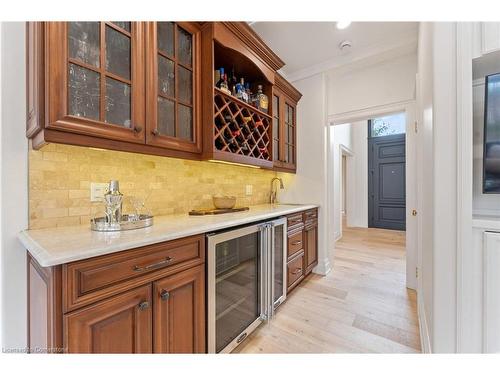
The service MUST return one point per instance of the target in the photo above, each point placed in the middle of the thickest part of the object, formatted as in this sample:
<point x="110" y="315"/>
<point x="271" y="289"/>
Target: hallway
<point x="362" y="306"/>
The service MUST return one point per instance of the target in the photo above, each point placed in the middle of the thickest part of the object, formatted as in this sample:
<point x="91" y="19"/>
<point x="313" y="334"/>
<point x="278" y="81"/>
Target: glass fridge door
<point x="235" y="295"/>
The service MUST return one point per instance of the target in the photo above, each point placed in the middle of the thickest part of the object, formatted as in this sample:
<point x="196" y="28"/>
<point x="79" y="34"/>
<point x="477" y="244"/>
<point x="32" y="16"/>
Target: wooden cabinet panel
<point x="44" y="308"/>
<point x="295" y="271"/>
<point x="294" y="221"/>
<point x="295" y="243"/>
<point x="121" y="324"/>
<point x="92" y="279"/>
<point x="173" y="98"/>
<point x="311" y="247"/>
<point x="179" y="318"/>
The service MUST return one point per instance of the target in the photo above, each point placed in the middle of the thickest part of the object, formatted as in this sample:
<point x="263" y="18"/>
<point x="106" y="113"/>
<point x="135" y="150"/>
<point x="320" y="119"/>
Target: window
<point x="388" y="125"/>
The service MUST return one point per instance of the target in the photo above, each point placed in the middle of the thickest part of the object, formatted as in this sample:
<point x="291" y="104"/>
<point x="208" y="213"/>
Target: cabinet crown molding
<point x="246" y="34"/>
<point x="287" y="88"/>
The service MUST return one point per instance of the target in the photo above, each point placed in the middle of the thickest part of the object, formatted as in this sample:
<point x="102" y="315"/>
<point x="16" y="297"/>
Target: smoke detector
<point x="345" y="45"/>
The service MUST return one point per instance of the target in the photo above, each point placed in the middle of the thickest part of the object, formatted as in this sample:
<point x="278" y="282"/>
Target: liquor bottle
<point x="224" y="86"/>
<point x="240" y="90"/>
<point x="233" y="82"/>
<point x="248" y="92"/>
<point x="220" y="81"/>
<point x="261" y="101"/>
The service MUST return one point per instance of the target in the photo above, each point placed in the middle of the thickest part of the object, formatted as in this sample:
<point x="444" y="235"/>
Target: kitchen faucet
<point x="274" y="193"/>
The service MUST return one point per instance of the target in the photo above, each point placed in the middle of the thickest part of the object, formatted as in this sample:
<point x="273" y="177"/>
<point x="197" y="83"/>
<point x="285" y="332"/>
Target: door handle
<point x="164" y="262"/>
<point x="143" y="305"/>
<point x="164" y="295"/>
<point x="414" y="212"/>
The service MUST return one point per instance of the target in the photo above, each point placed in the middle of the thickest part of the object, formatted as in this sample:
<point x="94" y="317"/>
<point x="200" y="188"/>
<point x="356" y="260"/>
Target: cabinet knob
<point x="155" y="132"/>
<point x="143" y="305"/>
<point x="164" y="295"/>
<point x="137" y="129"/>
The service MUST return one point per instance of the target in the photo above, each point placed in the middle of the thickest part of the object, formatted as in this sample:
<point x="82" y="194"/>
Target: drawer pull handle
<point x="164" y="295"/>
<point x="297" y="243"/>
<point x="297" y="271"/>
<point x="162" y="263"/>
<point x="143" y="305"/>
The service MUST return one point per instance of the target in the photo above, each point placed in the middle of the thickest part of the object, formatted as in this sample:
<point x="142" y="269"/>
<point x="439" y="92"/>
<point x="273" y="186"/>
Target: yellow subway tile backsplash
<point x="60" y="177"/>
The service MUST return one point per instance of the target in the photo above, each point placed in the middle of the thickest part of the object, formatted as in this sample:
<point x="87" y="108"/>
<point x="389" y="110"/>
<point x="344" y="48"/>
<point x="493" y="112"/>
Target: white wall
<point x="340" y="136"/>
<point x="358" y="177"/>
<point x="14" y="174"/>
<point x="309" y="184"/>
<point x="357" y="88"/>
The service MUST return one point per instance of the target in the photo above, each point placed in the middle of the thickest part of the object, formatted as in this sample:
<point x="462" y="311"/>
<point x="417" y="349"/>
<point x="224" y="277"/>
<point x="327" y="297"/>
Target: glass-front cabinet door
<point x="284" y="131"/>
<point x="290" y="134"/>
<point x="173" y="85"/>
<point x="96" y="84"/>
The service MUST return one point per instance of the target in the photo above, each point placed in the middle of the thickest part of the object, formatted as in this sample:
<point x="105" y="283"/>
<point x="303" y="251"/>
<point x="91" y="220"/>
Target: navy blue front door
<point x="386" y="182"/>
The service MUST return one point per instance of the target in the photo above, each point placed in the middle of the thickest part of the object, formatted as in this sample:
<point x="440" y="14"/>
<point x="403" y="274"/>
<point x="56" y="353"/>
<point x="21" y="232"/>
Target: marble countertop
<point x="55" y="246"/>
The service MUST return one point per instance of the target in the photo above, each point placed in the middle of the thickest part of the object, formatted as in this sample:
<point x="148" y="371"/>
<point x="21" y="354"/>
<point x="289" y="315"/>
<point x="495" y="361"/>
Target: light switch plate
<point x="249" y="189"/>
<point x="97" y="191"/>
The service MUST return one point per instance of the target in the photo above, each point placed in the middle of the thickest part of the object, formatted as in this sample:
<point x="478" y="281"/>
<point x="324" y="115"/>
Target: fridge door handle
<point x="264" y="237"/>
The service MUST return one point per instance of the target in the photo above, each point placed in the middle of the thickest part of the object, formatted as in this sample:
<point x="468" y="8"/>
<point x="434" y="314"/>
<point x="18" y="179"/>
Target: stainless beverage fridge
<point x="246" y="281"/>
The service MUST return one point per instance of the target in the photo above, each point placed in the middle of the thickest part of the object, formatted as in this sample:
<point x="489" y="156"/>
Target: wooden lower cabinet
<point x="302" y="246"/>
<point x="179" y="312"/>
<point x="311" y="247"/>
<point x="120" y="324"/>
<point x="157" y="308"/>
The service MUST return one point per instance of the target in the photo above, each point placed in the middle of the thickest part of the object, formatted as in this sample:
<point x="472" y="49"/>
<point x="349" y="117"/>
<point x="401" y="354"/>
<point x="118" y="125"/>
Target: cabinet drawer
<point x="295" y="243"/>
<point x="95" y="278"/>
<point x="294" y="221"/>
<point x="295" y="271"/>
<point x="311" y="215"/>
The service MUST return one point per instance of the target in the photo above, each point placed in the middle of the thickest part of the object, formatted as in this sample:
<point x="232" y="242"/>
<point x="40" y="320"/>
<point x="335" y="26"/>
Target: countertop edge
<point x="41" y="255"/>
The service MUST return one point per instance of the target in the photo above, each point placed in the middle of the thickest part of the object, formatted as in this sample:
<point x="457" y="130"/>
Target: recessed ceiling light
<point x="343" y="24"/>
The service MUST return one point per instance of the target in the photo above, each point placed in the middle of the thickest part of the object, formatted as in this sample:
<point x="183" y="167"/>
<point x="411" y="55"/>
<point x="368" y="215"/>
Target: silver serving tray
<point x="128" y="222"/>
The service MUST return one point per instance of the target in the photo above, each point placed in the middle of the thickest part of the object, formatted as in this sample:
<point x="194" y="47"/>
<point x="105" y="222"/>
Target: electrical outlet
<point x="97" y="191"/>
<point x="249" y="189"/>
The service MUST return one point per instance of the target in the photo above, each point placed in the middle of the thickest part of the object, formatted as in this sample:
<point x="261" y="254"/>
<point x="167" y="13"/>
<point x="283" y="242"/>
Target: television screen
<point x="491" y="152"/>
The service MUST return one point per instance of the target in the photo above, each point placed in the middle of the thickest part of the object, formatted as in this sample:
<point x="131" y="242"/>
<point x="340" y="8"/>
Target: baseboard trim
<point x="323" y="267"/>
<point x="425" y="341"/>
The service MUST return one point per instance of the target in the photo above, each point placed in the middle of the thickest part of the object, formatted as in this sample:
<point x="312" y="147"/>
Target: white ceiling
<point x="315" y="45"/>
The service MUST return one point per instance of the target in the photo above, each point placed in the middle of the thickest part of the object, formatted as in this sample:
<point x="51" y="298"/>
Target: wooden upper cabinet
<point x="149" y="87"/>
<point x="120" y="324"/>
<point x="285" y="99"/>
<point x="95" y="79"/>
<point x="173" y="85"/>
<point x="234" y="130"/>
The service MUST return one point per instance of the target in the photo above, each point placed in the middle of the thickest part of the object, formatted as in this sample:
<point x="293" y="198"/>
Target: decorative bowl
<point x="222" y="201"/>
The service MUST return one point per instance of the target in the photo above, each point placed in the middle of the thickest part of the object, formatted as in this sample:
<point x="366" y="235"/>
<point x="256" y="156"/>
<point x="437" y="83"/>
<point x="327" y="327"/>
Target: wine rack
<point x="239" y="128"/>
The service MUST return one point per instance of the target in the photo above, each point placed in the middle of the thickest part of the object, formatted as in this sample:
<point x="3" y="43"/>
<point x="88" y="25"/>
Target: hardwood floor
<point x="361" y="306"/>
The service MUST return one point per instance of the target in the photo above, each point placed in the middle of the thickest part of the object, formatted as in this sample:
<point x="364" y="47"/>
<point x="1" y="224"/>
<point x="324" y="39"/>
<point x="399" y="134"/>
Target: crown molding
<point x="370" y="56"/>
<point x="246" y="34"/>
<point x="287" y="88"/>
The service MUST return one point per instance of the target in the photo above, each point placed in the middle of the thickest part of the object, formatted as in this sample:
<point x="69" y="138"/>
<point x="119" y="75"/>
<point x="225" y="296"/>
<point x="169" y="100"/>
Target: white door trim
<point x="408" y="107"/>
<point x="464" y="52"/>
